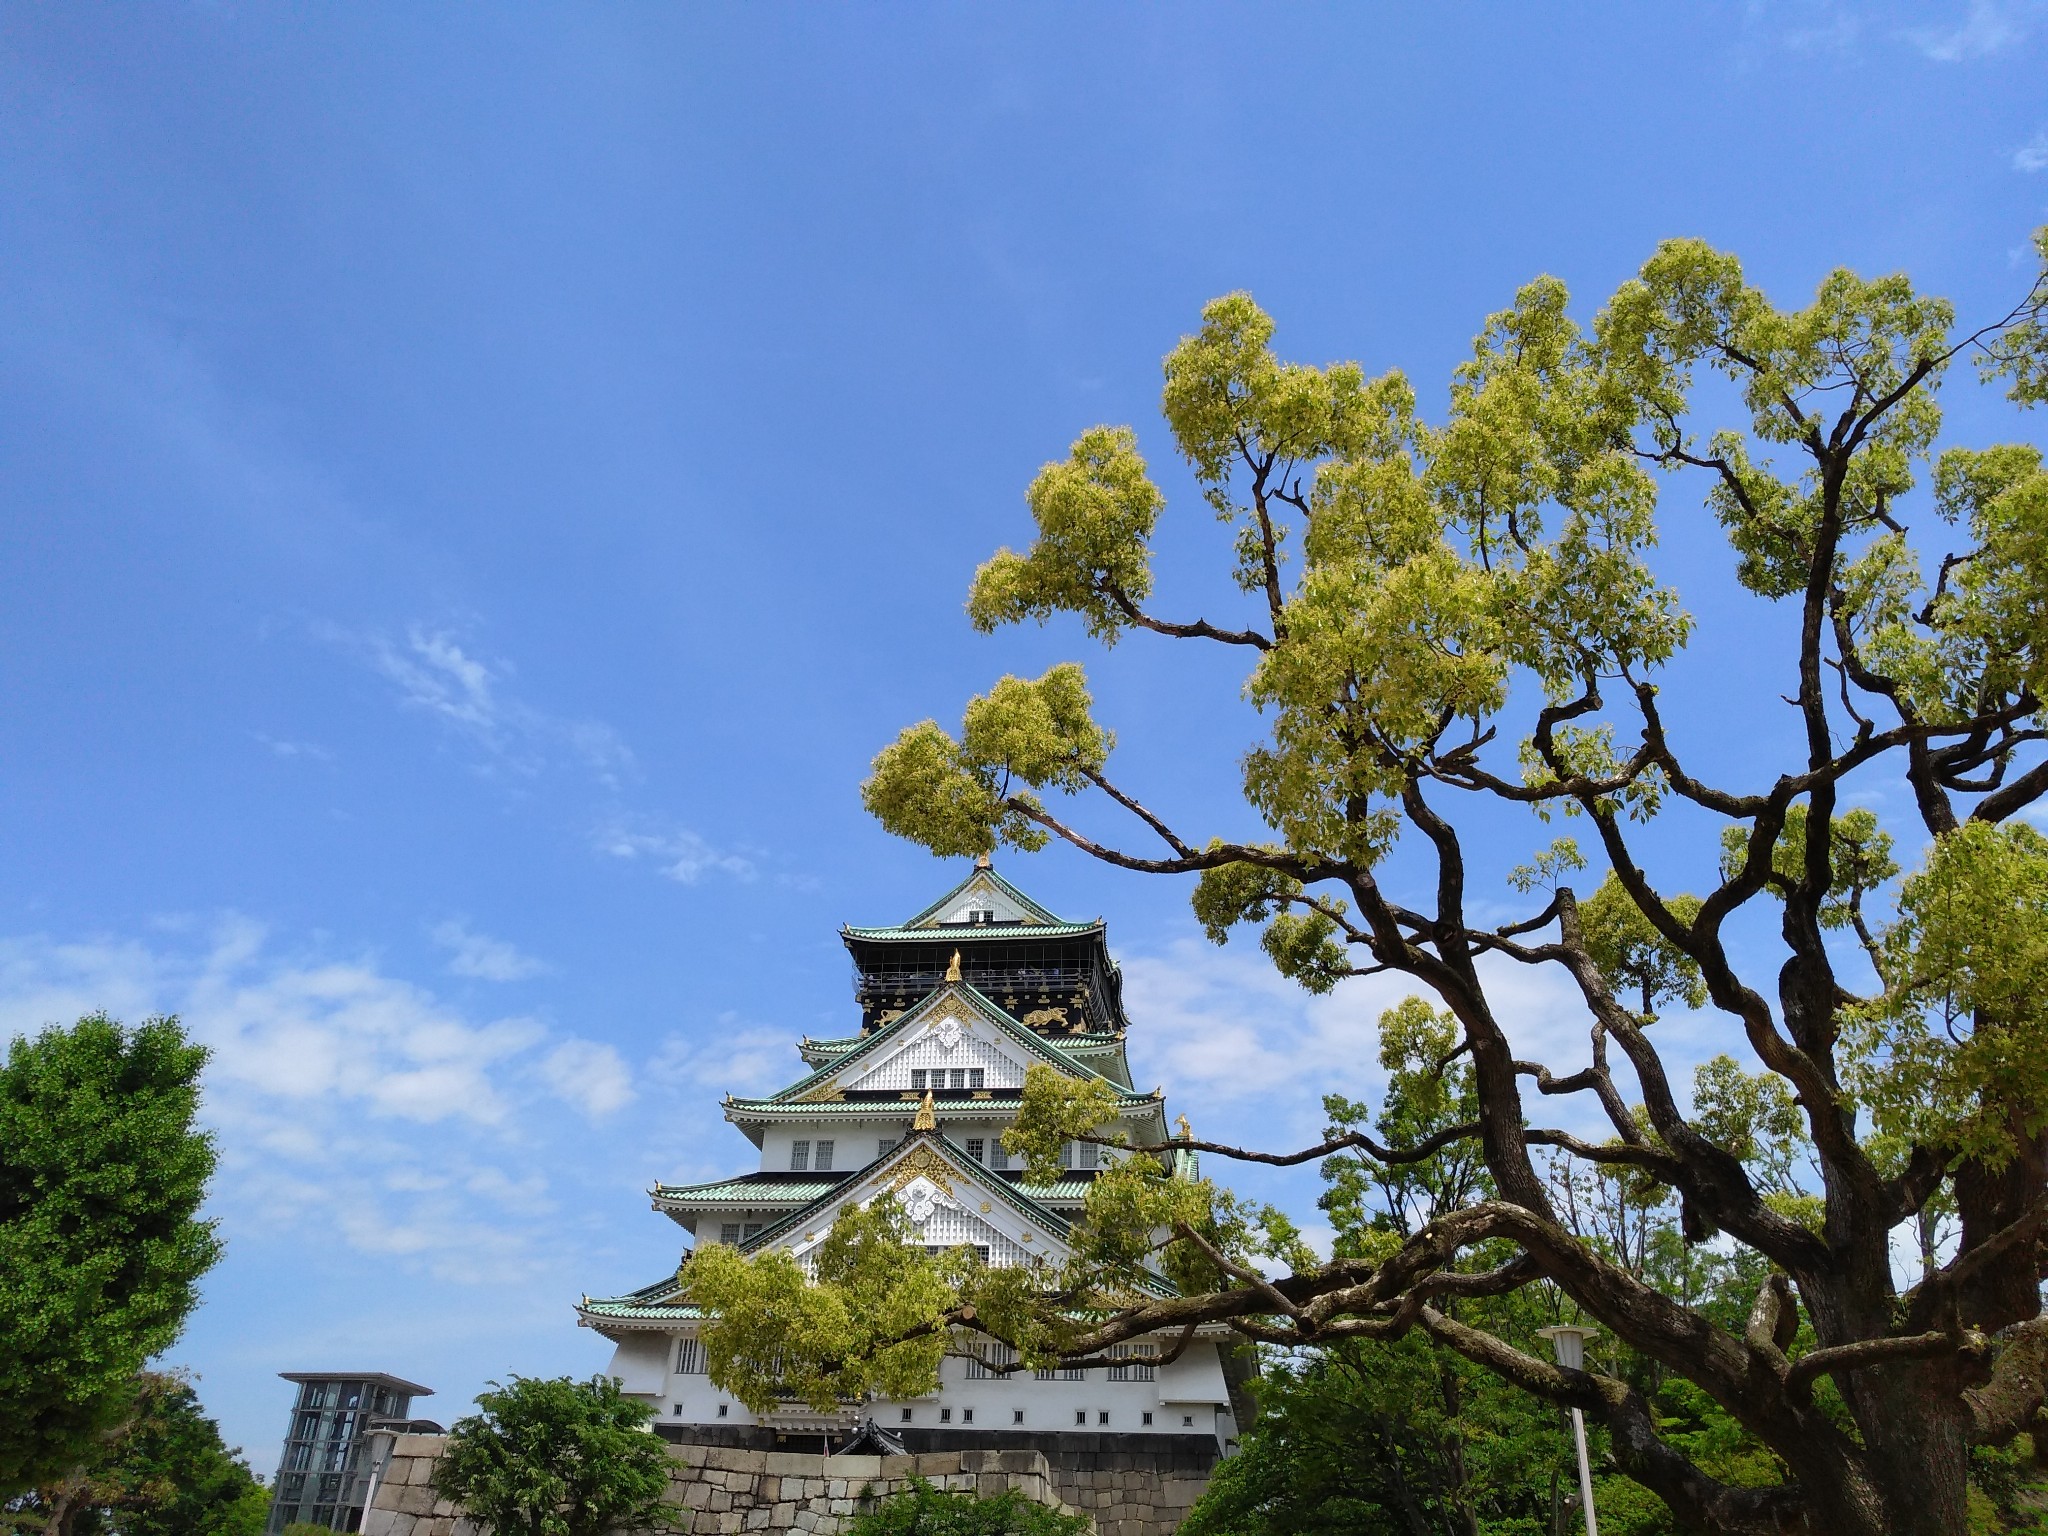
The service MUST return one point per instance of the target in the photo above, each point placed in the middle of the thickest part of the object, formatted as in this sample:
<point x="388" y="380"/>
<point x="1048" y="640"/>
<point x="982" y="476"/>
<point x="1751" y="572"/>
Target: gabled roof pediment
<point x="987" y="892"/>
<point x="948" y="1199"/>
<point x="955" y="1026"/>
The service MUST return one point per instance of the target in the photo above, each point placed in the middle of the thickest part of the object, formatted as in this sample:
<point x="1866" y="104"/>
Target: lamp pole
<point x="1570" y="1344"/>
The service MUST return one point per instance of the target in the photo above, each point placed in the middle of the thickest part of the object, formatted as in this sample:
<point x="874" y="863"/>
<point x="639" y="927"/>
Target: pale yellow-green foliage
<point x="1859" y="859"/>
<point x="953" y="796"/>
<point x="864" y="1326"/>
<point x="1095" y="513"/>
<point x="1955" y="1055"/>
<point x="1055" y="1110"/>
<point x="1639" y="962"/>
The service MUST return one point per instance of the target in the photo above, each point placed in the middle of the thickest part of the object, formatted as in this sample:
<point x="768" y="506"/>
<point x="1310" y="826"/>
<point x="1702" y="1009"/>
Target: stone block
<point x="444" y="1509"/>
<point x="729" y="1523"/>
<point x="839" y="1507"/>
<point x="856" y="1469"/>
<point x="401" y="1525"/>
<point x="689" y="1455"/>
<point x="418" y="1445"/>
<point x="806" y="1520"/>
<point x="720" y="1501"/>
<point x="730" y="1459"/>
<point x="757" y="1519"/>
<point x="789" y="1463"/>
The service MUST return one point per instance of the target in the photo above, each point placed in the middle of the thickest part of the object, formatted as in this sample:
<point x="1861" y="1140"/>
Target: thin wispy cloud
<point x="2032" y="155"/>
<point x="678" y="852"/>
<point x="483" y="958"/>
<point x="441" y="674"/>
<point x="278" y="747"/>
<point x="1987" y="28"/>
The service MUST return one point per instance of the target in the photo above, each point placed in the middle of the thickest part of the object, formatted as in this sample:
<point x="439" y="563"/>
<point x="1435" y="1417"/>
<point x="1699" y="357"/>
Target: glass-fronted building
<point x="340" y="1433"/>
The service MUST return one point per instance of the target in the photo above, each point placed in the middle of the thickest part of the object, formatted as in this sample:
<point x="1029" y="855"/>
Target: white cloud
<point x="589" y="1075"/>
<point x="729" y="1055"/>
<point x="440" y="674"/>
<point x="681" y="854"/>
<point x="2032" y="155"/>
<point x="484" y="958"/>
<point x="346" y="1100"/>
<point x="1988" y="28"/>
<point x="291" y="749"/>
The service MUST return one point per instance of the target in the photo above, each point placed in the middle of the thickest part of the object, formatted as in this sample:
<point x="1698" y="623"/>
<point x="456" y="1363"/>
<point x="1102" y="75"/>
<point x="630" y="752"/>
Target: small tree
<point x="101" y="1178"/>
<point x="164" y="1471"/>
<point x="922" y="1510"/>
<point x="554" y="1457"/>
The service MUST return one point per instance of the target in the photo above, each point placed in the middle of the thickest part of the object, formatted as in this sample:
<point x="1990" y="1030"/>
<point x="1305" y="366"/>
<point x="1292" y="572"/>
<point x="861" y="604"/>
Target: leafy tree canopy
<point x="1445" y="619"/>
<point x="555" y="1457"/>
<point x="162" y="1471"/>
<point x="101" y="1177"/>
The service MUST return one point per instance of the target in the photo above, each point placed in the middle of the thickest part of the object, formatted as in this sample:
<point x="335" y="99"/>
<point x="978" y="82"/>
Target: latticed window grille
<point x="689" y="1357"/>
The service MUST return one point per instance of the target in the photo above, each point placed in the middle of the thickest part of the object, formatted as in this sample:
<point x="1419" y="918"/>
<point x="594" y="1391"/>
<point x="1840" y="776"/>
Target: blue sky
<point x="479" y="484"/>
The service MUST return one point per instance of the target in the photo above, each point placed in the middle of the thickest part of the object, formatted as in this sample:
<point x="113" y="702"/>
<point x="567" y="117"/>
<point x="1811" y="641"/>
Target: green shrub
<point x="922" y="1510"/>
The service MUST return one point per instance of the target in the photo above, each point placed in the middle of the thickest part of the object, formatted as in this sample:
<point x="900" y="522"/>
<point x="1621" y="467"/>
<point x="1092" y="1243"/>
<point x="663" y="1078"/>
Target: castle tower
<point x="956" y="1003"/>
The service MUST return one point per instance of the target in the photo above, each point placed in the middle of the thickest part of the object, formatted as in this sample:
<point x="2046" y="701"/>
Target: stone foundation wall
<point x="714" y="1489"/>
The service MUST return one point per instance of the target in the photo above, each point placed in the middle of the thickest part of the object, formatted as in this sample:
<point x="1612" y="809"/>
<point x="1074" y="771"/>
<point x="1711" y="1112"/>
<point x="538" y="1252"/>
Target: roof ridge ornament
<point x="983" y="861"/>
<point x="952" y="967"/>
<point x="927" y="1118"/>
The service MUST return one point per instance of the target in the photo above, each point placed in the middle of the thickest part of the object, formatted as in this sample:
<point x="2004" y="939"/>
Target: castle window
<point x="976" y="1147"/>
<point x="917" y="1078"/>
<point x="959" y="1077"/>
<point x="799" y="1156"/>
<point x="729" y="1233"/>
<point x="824" y="1163"/>
<point x="1102" y="1417"/>
<point x="722" y="1407"/>
<point x="906" y="1415"/>
<point x="1016" y="1415"/>
<point x="1147" y="1418"/>
<point x="977" y="1077"/>
<point x="966" y="1415"/>
<point x="1187" y="1421"/>
<point x="1080" y="1416"/>
<point x="889" y="1144"/>
<point x="945" y="1415"/>
<point x="1090" y="1154"/>
<point x="1066" y="1154"/>
<point x="750" y="1231"/>
<point x="689" y="1357"/>
<point x="999" y="1157"/>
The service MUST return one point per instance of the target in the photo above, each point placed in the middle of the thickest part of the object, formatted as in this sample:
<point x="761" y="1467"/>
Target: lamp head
<point x="1569" y="1341"/>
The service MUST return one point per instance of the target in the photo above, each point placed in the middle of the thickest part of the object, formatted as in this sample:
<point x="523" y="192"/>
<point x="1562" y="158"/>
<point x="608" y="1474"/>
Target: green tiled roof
<point x="747" y="1189"/>
<point x="651" y="1303"/>
<point x="978" y="930"/>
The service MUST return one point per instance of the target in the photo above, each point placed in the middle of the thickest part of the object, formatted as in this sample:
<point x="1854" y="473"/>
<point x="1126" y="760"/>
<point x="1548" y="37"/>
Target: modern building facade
<point x="955" y="1005"/>
<point x="341" y="1430"/>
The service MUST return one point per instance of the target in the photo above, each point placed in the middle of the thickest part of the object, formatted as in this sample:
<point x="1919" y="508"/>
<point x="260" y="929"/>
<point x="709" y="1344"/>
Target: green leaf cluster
<point x="102" y="1173"/>
<point x="555" y="1457"/>
<point x="922" y="1510"/>
<point x="1955" y="1053"/>
<point x="964" y="796"/>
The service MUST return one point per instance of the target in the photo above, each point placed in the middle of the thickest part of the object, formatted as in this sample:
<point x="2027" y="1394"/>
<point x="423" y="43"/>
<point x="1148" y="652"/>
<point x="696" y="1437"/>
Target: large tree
<point x="1450" y="617"/>
<point x="555" y="1457"/>
<point x="102" y="1172"/>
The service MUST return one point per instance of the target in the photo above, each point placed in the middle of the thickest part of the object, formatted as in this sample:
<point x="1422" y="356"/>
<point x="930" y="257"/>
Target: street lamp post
<point x="1570" y="1344"/>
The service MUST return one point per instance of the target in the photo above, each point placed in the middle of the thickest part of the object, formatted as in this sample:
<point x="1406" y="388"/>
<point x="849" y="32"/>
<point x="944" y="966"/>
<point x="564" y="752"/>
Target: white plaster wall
<point x="995" y="1402"/>
<point x="641" y="1363"/>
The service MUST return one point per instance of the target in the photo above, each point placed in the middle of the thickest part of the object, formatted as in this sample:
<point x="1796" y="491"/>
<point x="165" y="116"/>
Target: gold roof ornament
<point x="1187" y="1132"/>
<point x="927" y="1118"/>
<point x="952" y="967"/>
<point x="983" y="861"/>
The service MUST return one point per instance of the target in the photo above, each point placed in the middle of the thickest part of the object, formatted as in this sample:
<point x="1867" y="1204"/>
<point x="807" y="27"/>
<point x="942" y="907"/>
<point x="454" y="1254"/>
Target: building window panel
<point x="977" y="1077"/>
<point x="729" y="1233"/>
<point x="689" y="1357"/>
<point x="824" y="1159"/>
<point x="976" y="1146"/>
<point x="888" y="1144"/>
<point x="799" y="1156"/>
